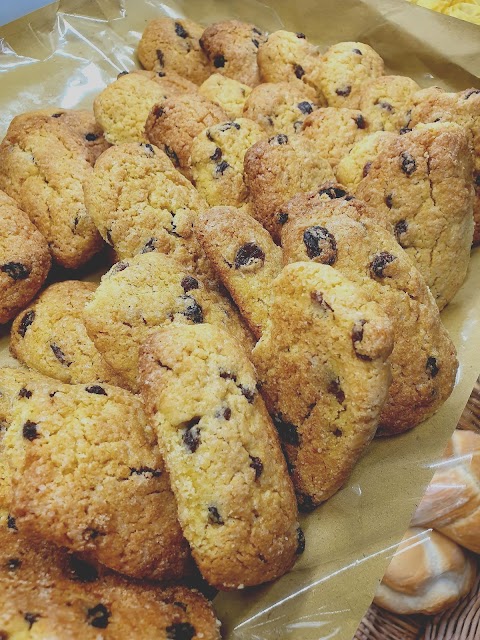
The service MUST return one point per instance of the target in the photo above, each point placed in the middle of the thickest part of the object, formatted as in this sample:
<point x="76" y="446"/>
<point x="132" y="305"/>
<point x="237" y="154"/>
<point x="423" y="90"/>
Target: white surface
<point x="13" y="9"/>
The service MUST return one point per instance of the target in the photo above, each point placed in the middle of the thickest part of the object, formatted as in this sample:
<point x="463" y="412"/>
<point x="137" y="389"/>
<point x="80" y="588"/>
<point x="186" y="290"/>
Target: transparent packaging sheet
<point x="65" y="54"/>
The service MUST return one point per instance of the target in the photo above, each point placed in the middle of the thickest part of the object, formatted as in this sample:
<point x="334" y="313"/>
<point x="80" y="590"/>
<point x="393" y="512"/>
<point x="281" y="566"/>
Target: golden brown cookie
<point x="173" y="124"/>
<point x="169" y="44"/>
<point x="423" y="361"/>
<point x="277" y="169"/>
<point x="54" y="340"/>
<point x="229" y="94"/>
<point x="235" y="499"/>
<point x="345" y="67"/>
<point x="231" y="48"/>
<point x="421" y="182"/>
<point x="387" y="101"/>
<point x="148" y="291"/>
<point x="322" y="367"/>
<point x="245" y="257"/>
<point x="436" y="105"/>
<point x="353" y="167"/>
<point x="24" y="259"/>
<point x="43" y="166"/>
<point x="217" y="161"/>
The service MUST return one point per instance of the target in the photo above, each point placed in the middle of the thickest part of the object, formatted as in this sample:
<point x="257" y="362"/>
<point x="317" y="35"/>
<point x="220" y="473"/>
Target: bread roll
<point x="427" y="574"/>
<point x="451" y="503"/>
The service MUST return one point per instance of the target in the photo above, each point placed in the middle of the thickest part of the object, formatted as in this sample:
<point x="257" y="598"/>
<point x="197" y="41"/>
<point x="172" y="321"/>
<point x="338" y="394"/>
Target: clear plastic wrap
<point x="65" y="54"/>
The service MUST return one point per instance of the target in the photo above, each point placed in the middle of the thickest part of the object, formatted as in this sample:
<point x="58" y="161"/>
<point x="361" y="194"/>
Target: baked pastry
<point x="173" y="124"/>
<point x="451" y="503"/>
<point x="24" y="259"/>
<point x="145" y="292"/>
<point x="169" y="44"/>
<point x="335" y="131"/>
<point x="427" y="574"/>
<point x="229" y="94"/>
<point x="342" y="234"/>
<point x="122" y="108"/>
<point x="280" y="107"/>
<point x="235" y="499"/>
<point x="353" y="167"/>
<point x="345" y="67"/>
<point x="322" y="367"/>
<point x="245" y="258"/>
<point x="277" y="169"/>
<point x="54" y="342"/>
<point x="421" y="182"/>
<point x="387" y="101"/>
<point x="100" y="485"/>
<point x="217" y="161"/>
<point x="42" y="167"/>
<point x="231" y="47"/>
<point x="436" y="105"/>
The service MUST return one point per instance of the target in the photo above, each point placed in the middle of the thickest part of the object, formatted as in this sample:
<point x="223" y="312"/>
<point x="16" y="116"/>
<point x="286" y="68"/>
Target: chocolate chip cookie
<point x="387" y="102"/>
<point x="353" y="167"/>
<point x="227" y="93"/>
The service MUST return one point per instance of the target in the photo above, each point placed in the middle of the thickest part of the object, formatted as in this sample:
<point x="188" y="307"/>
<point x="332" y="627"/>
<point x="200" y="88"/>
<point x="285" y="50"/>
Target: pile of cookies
<point x="285" y="226"/>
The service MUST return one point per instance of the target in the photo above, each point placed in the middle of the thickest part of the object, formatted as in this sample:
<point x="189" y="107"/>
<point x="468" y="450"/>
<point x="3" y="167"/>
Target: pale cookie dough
<point x="43" y="166"/>
<point x="231" y="48"/>
<point x="227" y="93"/>
<point x="277" y="169"/>
<point x="345" y="67"/>
<point x="173" y="124"/>
<point x="235" y="498"/>
<point x="245" y="258"/>
<point x="322" y="367"/>
<point x="169" y="44"/>
<point x="421" y="182"/>
<point x="353" y="167"/>
<point x="387" y="102"/>
<point x="423" y="361"/>
<point x="145" y="292"/>
<point x="55" y="342"/>
<point x="217" y="161"/>
<point x="24" y="259"/>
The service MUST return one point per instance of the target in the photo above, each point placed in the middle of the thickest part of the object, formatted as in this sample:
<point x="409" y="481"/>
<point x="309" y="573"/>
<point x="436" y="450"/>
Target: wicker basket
<point x="462" y="622"/>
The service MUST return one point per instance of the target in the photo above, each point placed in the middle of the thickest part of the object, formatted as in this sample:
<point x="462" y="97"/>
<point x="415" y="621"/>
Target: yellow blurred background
<point x="468" y="10"/>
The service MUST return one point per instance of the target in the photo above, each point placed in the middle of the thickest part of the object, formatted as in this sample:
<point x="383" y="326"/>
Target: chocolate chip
<point x="221" y="167"/>
<point x="248" y="393"/>
<point x="332" y="192"/>
<point x="60" y="356"/>
<point x="256" y="43"/>
<point x="97" y="389"/>
<point x="360" y="122"/>
<point x="227" y="413"/>
<point x="180" y="31"/>
<point x="379" y="263"/>
<point x="299" y="71"/>
<point x="25" y="393"/>
<point x="214" y="517"/>
<point x="160" y="57"/>
<point x="216" y="155"/>
<point x="386" y="105"/>
<point x="338" y="432"/>
<point x="470" y="92"/>
<point x="366" y="169"/>
<point x="193" y="311"/>
<point x="191" y="435"/>
<point x="389" y="200"/>
<point x="281" y="138"/>
<point x="404" y="130"/>
<point x="13" y="564"/>
<point x="408" y="164"/>
<point x="305" y="107"/>
<point x="317" y="297"/>
<point x="344" y="91"/>
<point x="172" y="155"/>
<point x="180" y="631"/>
<point x="476" y="178"/>
<point x="11" y="524"/>
<point x="122" y="73"/>
<point x="158" y="112"/>
<point x="320" y="243"/>
<point x="26" y="321"/>
<point x="257" y="31"/>
<point x="189" y="283"/>
<point x="432" y="367"/>
<point x="98" y="616"/>
<point x="81" y="571"/>
<point x="401" y="227"/>
<point x="335" y="389"/>
<point x="282" y="217"/>
<point x="31" y="618"/>
<point x="228" y="375"/>
<point x="257" y="465"/>
<point x="288" y="432"/>
<point x="120" y="266"/>
<point x="91" y="137"/>
<point x="149" y="246"/>
<point x="57" y="115"/>
<point x="358" y="52"/>
<point x="305" y="503"/>
<point x="30" y="430"/>
<point x="154" y="473"/>
<point x="300" y="35"/>
<point x="15" y="270"/>
<point x="300" y="542"/>
<point x="248" y="254"/>
<point x="219" y="61"/>
<point x="357" y="336"/>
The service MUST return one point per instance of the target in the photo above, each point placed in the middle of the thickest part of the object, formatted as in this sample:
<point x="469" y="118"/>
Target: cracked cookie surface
<point x="387" y="102"/>
<point x="353" y="167"/>
<point x="227" y="93"/>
